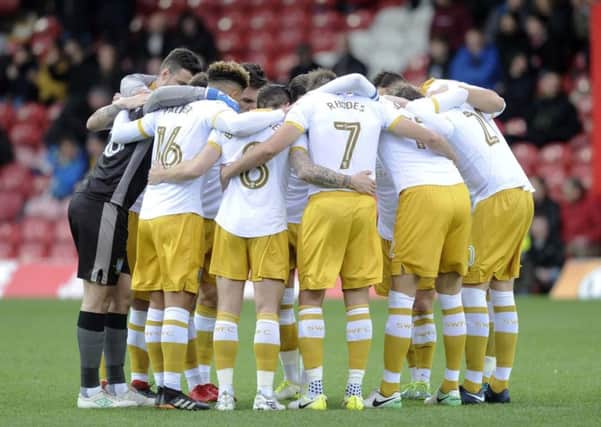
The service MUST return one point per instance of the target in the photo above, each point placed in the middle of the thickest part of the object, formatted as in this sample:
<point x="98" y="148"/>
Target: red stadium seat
<point x="232" y="22"/>
<point x="10" y="232"/>
<point x="176" y="6"/>
<point x="324" y="41"/>
<point x="555" y="178"/>
<point x="584" y="172"/>
<point x="527" y="156"/>
<point x="26" y="134"/>
<point x="63" y="251"/>
<point x="263" y="20"/>
<point x="7" y="116"/>
<point x="8" y="6"/>
<point x="327" y="21"/>
<point x="325" y="3"/>
<point x="580" y="140"/>
<point x="291" y="19"/>
<point x="263" y="42"/>
<point x="16" y="178"/>
<point x="37" y="230"/>
<point x="7" y="250"/>
<point x="10" y="205"/>
<point x="32" y="251"/>
<point x="557" y="154"/>
<point x="229" y="43"/>
<point x="290" y="39"/>
<point x="47" y="25"/>
<point x="282" y="66"/>
<point x="33" y="113"/>
<point x="582" y="156"/>
<point x="297" y="4"/>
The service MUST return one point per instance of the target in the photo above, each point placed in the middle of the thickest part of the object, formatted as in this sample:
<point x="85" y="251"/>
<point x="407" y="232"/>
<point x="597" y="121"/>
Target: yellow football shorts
<point x="432" y="231"/>
<point x="292" y="243"/>
<point x="209" y="232"/>
<point x="264" y="257"/>
<point x="338" y="237"/>
<point x="500" y="224"/>
<point x="170" y="253"/>
<point x="382" y="289"/>
<point x="132" y="250"/>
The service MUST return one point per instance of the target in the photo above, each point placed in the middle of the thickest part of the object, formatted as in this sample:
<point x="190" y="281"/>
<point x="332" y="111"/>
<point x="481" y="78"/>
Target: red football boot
<point x="205" y="393"/>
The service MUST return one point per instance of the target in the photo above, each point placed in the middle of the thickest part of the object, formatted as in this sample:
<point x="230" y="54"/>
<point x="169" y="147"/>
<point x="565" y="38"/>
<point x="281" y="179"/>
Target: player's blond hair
<point x="319" y="77"/>
<point x="228" y="71"/>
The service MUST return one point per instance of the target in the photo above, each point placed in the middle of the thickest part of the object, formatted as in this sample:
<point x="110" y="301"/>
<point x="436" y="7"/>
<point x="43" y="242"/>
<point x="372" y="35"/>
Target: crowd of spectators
<point x="70" y="56"/>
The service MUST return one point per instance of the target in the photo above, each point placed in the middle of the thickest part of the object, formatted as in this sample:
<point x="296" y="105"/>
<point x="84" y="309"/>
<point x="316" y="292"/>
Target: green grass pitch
<point x="556" y="380"/>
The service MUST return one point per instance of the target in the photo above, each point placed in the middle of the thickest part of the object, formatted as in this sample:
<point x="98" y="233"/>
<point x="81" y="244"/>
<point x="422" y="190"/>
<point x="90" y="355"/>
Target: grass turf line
<point x="556" y="379"/>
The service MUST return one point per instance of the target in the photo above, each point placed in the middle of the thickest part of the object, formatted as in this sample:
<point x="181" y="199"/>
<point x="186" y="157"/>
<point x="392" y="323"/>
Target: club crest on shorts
<point x="471" y="255"/>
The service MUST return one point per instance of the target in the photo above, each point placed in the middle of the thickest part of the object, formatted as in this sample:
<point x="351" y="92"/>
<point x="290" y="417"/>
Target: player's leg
<point x="101" y="250"/>
<point x="181" y="255"/>
<point x="230" y="263"/>
<point x="490" y="360"/>
<point x="136" y="344"/>
<point x="204" y="321"/>
<point x="423" y="340"/>
<point x="289" y="353"/>
<point x="191" y="371"/>
<point x="362" y="267"/>
<point x="453" y="266"/>
<point x="269" y="264"/>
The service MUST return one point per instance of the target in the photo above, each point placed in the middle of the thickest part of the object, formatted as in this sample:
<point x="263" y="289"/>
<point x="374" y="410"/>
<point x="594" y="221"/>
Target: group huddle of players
<point x="191" y="198"/>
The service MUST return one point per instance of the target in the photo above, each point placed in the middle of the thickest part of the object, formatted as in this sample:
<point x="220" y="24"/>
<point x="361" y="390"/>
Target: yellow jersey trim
<point x="395" y="122"/>
<point x="141" y="129"/>
<point x="298" y="148"/>
<point x="214" y="145"/>
<point x="426" y="85"/>
<point x="296" y="125"/>
<point x="215" y="117"/>
<point x="436" y="105"/>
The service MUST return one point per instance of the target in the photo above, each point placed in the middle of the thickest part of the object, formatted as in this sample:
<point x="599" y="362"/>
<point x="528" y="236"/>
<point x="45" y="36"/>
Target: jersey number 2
<point x="171" y="154"/>
<point x="353" y="128"/>
<point x="260" y="180"/>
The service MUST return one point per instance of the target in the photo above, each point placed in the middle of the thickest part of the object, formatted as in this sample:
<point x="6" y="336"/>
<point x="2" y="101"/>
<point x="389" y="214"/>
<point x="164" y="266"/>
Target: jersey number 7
<point x="353" y="128"/>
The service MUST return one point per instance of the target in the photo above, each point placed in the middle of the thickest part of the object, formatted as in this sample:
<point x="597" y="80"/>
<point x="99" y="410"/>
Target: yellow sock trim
<point x="205" y="311"/>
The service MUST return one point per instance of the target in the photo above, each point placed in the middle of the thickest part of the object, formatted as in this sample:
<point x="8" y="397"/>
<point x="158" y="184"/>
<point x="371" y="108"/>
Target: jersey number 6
<point x="171" y="154"/>
<point x="258" y="181"/>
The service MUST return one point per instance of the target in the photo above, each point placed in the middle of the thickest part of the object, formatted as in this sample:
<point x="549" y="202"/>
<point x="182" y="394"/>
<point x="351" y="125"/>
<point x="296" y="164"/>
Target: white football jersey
<point x="180" y="133"/>
<point x="254" y="203"/>
<point x="485" y="160"/>
<point x="297" y="197"/>
<point x="343" y="131"/>
<point x="409" y="163"/>
<point x="137" y="204"/>
<point x="211" y="192"/>
<point x="388" y="201"/>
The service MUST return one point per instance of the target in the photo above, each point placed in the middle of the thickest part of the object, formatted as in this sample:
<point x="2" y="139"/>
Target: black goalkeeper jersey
<point x="121" y="172"/>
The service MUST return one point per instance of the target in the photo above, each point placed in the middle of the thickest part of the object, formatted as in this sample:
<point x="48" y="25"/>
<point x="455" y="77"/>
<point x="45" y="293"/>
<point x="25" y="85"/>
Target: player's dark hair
<point x="182" y="58"/>
<point x="199" y="79"/>
<point x="405" y="90"/>
<point x="298" y="86"/>
<point x="319" y="77"/>
<point x="387" y="78"/>
<point x="228" y="71"/>
<point x="273" y="96"/>
<point x="256" y="74"/>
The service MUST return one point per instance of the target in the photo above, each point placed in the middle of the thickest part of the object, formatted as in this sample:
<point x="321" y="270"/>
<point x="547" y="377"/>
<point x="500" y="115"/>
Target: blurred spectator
<point x="82" y="68"/>
<point x="552" y="117"/>
<point x="347" y="63"/>
<point x="109" y="74"/>
<point x="439" y="56"/>
<point x="581" y="220"/>
<point x="545" y="52"/>
<point x="475" y="62"/>
<point x="193" y="33"/>
<point x="6" y="149"/>
<point x="20" y="74"/>
<point x="68" y="164"/>
<point x="451" y="20"/>
<point x="305" y="61"/>
<point x="514" y="8"/>
<point x="154" y="42"/>
<point x="95" y="144"/>
<point x="518" y="88"/>
<point x="545" y="256"/>
<point x="52" y="76"/>
<point x="545" y="207"/>
<point x="510" y="39"/>
<point x="73" y="117"/>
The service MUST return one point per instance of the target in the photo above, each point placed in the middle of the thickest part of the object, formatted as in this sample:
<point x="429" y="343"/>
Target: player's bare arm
<point x="485" y="100"/>
<point x="262" y="153"/>
<point x="103" y="118"/>
<point x="312" y="173"/>
<point x="187" y="169"/>
<point x="432" y="140"/>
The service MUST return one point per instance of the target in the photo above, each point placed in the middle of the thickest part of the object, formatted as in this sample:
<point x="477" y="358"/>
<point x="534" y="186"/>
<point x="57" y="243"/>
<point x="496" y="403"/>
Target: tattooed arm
<point x="324" y="177"/>
<point x="102" y="118"/>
